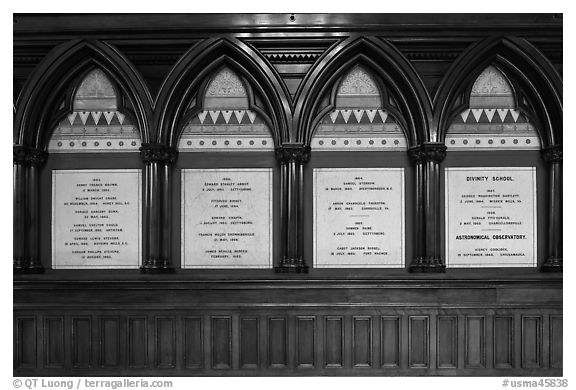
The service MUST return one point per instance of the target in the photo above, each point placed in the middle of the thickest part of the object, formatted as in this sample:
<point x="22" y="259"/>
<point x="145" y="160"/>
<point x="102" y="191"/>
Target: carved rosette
<point x="25" y="155"/>
<point x="298" y="153"/>
<point x="158" y="153"/>
<point x="427" y="152"/>
<point x="552" y="154"/>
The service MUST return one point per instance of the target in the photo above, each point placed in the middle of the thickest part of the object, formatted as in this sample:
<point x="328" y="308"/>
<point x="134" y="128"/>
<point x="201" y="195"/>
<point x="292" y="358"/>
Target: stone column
<point x="427" y="158"/>
<point x="157" y="207"/>
<point x="553" y="156"/>
<point x="27" y="163"/>
<point x="292" y="158"/>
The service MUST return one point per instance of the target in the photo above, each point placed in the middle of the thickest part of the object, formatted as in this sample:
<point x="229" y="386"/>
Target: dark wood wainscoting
<point x="296" y="328"/>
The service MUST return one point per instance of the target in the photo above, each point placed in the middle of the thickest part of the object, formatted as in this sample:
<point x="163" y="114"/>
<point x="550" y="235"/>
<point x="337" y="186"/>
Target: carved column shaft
<point x="27" y="163"/>
<point x="420" y="233"/>
<point x="19" y="202"/>
<point x="157" y="249"/>
<point x="553" y="156"/>
<point x="427" y="158"/>
<point x="292" y="158"/>
<point x="166" y="185"/>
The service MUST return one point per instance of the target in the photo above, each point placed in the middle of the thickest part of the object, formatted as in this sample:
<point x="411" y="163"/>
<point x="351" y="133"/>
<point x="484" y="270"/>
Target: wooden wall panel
<point x="109" y="341"/>
<point x="25" y="342"/>
<point x="255" y="342"/>
<point x="306" y="339"/>
<point x="249" y="346"/>
<point x="54" y="342"/>
<point x="418" y="341"/>
<point x="446" y="341"/>
<point x="503" y="341"/>
<point x="193" y="343"/>
<point x="556" y="337"/>
<point x="82" y="349"/>
<point x="390" y="341"/>
<point x="362" y="341"/>
<point x="137" y="342"/>
<point x="475" y="335"/>
<point x="165" y="344"/>
<point x="531" y="341"/>
<point x="277" y="342"/>
<point x="221" y="342"/>
<point x="334" y="341"/>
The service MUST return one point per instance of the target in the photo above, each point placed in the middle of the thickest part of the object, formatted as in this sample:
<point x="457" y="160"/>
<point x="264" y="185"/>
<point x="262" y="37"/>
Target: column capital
<point x="26" y="155"/>
<point x="435" y="152"/>
<point x="155" y="152"/>
<point x="552" y="154"/>
<point x="293" y="153"/>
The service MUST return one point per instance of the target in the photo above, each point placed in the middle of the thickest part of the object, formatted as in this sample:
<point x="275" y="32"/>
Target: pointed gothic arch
<point x="41" y="104"/>
<point x="188" y="77"/>
<point x="387" y="64"/>
<point x="536" y="84"/>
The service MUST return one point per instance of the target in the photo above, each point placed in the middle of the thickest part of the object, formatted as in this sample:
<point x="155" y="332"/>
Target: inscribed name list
<point x="96" y="218"/>
<point x="227" y="218"/>
<point x="491" y="217"/>
<point x="358" y="217"/>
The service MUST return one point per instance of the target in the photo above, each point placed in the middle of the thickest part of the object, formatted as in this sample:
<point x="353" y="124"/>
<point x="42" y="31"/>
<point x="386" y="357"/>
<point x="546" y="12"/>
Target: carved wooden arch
<point x="386" y="63"/>
<point x="51" y="80"/>
<point x="189" y="74"/>
<point x="530" y="74"/>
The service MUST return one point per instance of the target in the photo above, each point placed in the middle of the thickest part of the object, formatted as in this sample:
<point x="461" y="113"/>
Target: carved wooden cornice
<point x="153" y="152"/>
<point x="552" y="154"/>
<point x="293" y="153"/>
<point x="26" y="155"/>
<point x="427" y="152"/>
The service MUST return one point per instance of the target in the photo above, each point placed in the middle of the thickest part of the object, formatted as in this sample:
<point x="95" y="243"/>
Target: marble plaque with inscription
<point x="491" y="217"/>
<point x="358" y="217"/>
<point x="96" y="218"/>
<point x="227" y="218"/>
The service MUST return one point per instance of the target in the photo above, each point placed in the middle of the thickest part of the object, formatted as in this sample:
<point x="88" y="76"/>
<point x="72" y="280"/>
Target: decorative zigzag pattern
<point x="292" y="58"/>
<point x="355" y="116"/>
<point x="95" y="118"/>
<point x="226" y="117"/>
<point x="490" y="115"/>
